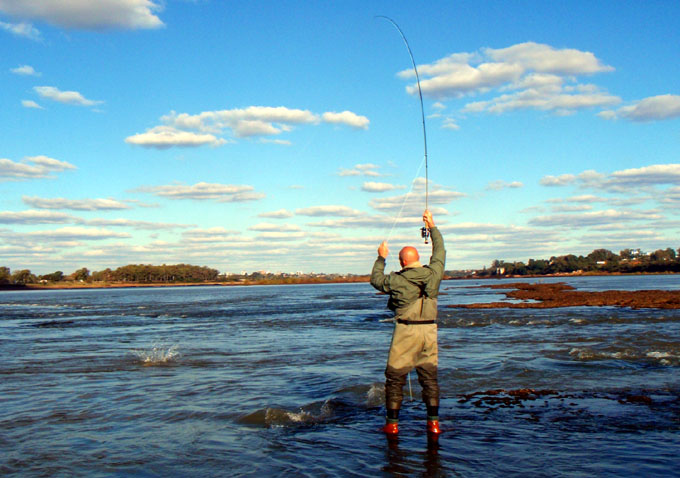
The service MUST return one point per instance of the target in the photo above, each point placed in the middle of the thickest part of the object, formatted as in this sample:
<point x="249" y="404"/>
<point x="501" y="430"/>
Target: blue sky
<point x="286" y="136"/>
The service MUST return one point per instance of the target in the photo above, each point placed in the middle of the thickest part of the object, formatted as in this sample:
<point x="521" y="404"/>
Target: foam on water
<point x="627" y="354"/>
<point x="375" y="396"/>
<point x="158" y="354"/>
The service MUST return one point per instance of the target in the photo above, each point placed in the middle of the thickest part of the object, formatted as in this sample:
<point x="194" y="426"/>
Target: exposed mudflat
<point x="560" y="294"/>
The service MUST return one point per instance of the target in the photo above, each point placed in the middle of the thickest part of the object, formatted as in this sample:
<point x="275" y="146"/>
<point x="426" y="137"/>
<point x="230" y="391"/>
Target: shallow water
<point x="287" y="381"/>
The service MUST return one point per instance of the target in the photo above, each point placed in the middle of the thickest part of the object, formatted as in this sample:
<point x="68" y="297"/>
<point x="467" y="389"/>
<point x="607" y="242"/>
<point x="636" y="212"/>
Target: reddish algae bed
<point x="547" y="296"/>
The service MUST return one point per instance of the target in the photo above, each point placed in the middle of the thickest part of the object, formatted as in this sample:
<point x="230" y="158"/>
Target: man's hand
<point x="383" y="251"/>
<point x="427" y="219"/>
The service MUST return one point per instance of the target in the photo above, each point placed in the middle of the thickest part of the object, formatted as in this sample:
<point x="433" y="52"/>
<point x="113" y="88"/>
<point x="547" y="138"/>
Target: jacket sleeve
<point x="378" y="278"/>
<point x="438" y="258"/>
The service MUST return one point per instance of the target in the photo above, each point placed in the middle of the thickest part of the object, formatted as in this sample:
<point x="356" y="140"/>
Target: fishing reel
<point x="425" y="234"/>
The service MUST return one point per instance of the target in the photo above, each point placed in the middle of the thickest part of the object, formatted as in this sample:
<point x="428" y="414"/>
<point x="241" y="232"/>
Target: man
<point x="413" y="298"/>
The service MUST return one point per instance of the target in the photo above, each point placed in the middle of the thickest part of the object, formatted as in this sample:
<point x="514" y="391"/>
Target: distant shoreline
<point x="137" y="285"/>
<point x="355" y="279"/>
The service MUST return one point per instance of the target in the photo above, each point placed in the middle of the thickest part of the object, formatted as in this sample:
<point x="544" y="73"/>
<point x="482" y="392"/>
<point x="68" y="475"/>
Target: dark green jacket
<point x="411" y="283"/>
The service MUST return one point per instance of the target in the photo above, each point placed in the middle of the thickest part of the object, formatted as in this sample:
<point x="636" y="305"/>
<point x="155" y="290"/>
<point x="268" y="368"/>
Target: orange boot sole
<point x="433" y="427"/>
<point x="391" y="428"/>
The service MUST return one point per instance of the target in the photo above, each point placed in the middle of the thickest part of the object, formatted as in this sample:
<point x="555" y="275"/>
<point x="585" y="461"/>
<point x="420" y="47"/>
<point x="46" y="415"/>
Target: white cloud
<point x="66" y="97"/>
<point x="367" y="169"/>
<point x="627" y="181"/>
<point x="35" y="217"/>
<point x="654" y="108"/>
<point x="589" y="198"/>
<point x="671" y="198"/>
<point x="50" y="164"/>
<point x="205" y="191"/>
<point x="413" y="202"/>
<point x="214" y="121"/>
<point x="281" y="142"/>
<point x="163" y="137"/>
<point x="342" y="211"/>
<point x="379" y="221"/>
<point x="23" y="29"/>
<point x="31" y="104"/>
<point x="280" y="214"/>
<point x="77" y="233"/>
<point x="347" y="118"/>
<point x="269" y="227"/>
<point x="572" y="208"/>
<point x="536" y="72"/>
<point x="86" y="14"/>
<point x="561" y="101"/>
<point x="143" y="225"/>
<point x="450" y="124"/>
<point x="373" y="187"/>
<point x="183" y="129"/>
<point x="463" y="79"/>
<point x="74" y="204"/>
<point x="280" y="236"/>
<point x="546" y="59"/>
<point x="647" y="175"/>
<point x="243" y="123"/>
<point x="609" y="216"/>
<point x="561" y="180"/>
<point x="31" y="167"/>
<point x="246" y="128"/>
<point x="210" y="235"/>
<point x="25" y="70"/>
<point x="500" y="184"/>
<point x="537" y="80"/>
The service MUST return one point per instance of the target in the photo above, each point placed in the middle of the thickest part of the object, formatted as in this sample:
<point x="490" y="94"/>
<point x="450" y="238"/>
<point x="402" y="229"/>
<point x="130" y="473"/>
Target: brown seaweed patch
<point x="559" y="294"/>
<point x="505" y="399"/>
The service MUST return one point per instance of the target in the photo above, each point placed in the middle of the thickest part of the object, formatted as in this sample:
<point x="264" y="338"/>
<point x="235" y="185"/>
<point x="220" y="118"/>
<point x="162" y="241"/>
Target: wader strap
<point x="416" y="322"/>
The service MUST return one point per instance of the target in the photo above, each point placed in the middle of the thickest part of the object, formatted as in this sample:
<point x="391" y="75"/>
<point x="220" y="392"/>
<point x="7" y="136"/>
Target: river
<point x="287" y="381"/>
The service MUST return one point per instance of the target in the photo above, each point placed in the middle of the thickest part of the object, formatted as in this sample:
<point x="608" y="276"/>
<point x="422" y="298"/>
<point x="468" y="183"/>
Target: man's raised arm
<point x="438" y="258"/>
<point x="378" y="277"/>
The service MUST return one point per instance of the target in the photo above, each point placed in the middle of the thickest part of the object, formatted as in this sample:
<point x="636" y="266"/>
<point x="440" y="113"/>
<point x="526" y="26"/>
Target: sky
<point x="287" y="136"/>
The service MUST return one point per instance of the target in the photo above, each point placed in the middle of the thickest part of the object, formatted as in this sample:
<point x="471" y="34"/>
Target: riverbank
<point x="129" y="285"/>
<point x="280" y="281"/>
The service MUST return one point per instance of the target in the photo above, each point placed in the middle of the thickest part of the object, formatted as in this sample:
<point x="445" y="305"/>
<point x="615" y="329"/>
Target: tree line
<point x="135" y="273"/>
<point x="627" y="261"/>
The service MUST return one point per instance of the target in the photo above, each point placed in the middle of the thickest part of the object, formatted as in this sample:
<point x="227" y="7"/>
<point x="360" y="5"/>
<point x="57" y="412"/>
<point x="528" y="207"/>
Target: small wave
<point x="629" y="354"/>
<point x="375" y="396"/>
<point x="58" y="324"/>
<point x="278" y="417"/>
<point x="345" y="403"/>
<point x="36" y="305"/>
<point x="665" y="358"/>
<point x="158" y="354"/>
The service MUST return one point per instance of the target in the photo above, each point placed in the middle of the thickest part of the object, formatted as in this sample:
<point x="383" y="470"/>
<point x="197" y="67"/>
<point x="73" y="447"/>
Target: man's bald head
<point x="408" y="255"/>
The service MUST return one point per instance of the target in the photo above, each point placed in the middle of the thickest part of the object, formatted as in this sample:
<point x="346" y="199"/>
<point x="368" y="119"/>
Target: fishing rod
<point x="424" y="231"/>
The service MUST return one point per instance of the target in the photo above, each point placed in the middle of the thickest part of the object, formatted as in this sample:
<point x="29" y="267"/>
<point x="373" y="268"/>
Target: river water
<point x="287" y="381"/>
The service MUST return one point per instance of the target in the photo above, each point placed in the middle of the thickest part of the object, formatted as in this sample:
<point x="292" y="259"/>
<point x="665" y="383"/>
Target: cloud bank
<point x="264" y="122"/>
<point x="205" y="192"/>
<point x="65" y="97"/>
<point x="32" y="167"/>
<point x="87" y="14"/>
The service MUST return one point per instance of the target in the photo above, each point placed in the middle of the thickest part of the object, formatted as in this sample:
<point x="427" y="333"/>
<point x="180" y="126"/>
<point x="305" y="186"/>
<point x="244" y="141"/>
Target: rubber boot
<point x="433" y="427"/>
<point x="391" y="428"/>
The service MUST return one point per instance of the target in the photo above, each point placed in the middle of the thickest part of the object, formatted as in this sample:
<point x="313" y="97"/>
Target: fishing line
<point x="403" y="204"/>
<point x="425" y="231"/>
